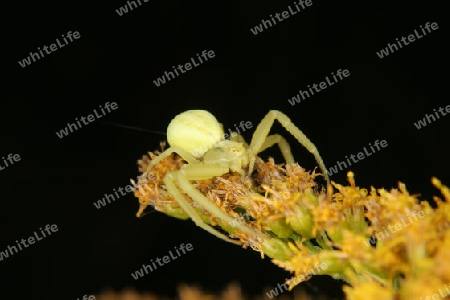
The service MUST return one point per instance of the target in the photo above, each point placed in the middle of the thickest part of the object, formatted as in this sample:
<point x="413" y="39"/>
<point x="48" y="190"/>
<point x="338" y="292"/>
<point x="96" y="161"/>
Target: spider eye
<point x="195" y="131"/>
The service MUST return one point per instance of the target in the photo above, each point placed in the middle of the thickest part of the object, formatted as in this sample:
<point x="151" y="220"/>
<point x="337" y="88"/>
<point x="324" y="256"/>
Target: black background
<point x="116" y="60"/>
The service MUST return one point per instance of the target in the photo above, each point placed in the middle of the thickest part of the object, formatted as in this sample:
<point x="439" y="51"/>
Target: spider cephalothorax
<point x="231" y="154"/>
<point x="198" y="138"/>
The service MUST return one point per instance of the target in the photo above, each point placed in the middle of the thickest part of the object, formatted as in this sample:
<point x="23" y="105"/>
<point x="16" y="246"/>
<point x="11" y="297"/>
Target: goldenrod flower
<point x="385" y="244"/>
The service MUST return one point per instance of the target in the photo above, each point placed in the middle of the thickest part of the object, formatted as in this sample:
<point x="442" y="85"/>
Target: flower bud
<point x="280" y="228"/>
<point x="302" y="222"/>
<point x="277" y="249"/>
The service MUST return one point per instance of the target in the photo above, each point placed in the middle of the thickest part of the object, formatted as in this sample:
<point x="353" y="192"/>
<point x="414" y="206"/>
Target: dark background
<point x="116" y="60"/>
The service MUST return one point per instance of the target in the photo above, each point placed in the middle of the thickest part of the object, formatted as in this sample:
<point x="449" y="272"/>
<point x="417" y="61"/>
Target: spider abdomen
<point x="195" y="131"/>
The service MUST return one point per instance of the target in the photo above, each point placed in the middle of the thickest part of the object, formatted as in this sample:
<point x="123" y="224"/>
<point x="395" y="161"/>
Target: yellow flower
<point x="369" y="291"/>
<point x="386" y="244"/>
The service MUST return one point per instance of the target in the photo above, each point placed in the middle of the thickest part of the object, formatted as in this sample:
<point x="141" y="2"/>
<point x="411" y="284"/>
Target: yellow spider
<point x="198" y="138"/>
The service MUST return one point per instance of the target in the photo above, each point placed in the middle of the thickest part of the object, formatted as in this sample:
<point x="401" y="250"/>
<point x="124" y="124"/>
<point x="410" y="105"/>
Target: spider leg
<point x="282" y="144"/>
<point x="184" y="154"/>
<point x="169" y="181"/>
<point x="195" y="172"/>
<point x="201" y="172"/>
<point x="262" y="131"/>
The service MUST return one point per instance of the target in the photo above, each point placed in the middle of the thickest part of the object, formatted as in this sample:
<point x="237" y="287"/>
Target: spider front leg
<point x="184" y="154"/>
<point x="199" y="172"/>
<point x="282" y="144"/>
<point x="261" y="135"/>
<point x="171" y="187"/>
<point x="269" y="142"/>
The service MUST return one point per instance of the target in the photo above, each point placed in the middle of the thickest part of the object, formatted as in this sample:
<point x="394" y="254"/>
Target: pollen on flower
<point x="379" y="241"/>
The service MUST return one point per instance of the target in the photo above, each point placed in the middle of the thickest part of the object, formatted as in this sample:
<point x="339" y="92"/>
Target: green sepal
<point x="303" y="222"/>
<point x="280" y="228"/>
<point x="277" y="249"/>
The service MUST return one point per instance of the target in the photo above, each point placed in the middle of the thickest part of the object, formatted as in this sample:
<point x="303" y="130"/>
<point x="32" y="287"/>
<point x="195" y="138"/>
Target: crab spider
<point x="198" y="138"/>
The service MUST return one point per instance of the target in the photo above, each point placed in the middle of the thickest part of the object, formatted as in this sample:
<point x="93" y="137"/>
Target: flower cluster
<point x="383" y="244"/>
<point x="186" y="292"/>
